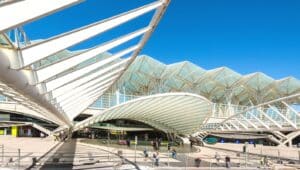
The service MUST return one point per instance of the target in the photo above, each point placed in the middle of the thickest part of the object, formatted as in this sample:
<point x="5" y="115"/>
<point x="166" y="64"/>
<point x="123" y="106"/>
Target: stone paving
<point x="74" y="154"/>
<point x="273" y="151"/>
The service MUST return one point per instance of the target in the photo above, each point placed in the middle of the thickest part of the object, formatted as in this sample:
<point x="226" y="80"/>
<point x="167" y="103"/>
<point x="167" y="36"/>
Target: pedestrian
<point x="197" y="162"/>
<point x="227" y="161"/>
<point x="174" y="153"/>
<point x="254" y="144"/>
<point x="128" y="143"/>
<point x="266" y="162"/>
<point x="244" y="149"/>
<point x="154" y="145"/>
<point x="146" y="153"/>
<point x="156" y="158"/>
<point x="169" y="146"/>
<point x="262" y="161"/>
<point x="217" y="157"/>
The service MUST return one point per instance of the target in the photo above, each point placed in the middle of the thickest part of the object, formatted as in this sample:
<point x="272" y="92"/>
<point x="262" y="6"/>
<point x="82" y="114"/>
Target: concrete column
<point x="290" y="143"/>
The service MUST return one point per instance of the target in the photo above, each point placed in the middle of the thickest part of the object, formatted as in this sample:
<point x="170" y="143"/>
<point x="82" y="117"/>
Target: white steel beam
<point x="248" y="121"/>
<point x="98" y="80"/>
<point x="79" y="73"/>
<point x="52" y="70"/>
<point x="242" y="124"/>
<point x="77" y="92"/>
<point x="20" y="12"/>
<point x="234" y="125"/>
<point x="59" y="82"/>
<point x="85" y="96"/>
<point x="258" y="120"/>
<point x="90" y="98"/>
<point x="268" y="117"/>
<point x="228" y="127"/>
<point x="38" y="51"/>
<point x="77" y="111"/>
<point x="292" y="109"/>
<point x="285" y="118"/>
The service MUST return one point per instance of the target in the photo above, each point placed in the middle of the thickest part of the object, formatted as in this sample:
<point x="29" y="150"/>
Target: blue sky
<point x="247" y="36"/>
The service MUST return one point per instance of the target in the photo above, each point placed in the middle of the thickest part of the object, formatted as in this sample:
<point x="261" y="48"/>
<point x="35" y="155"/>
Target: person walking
<point x="197" y="162"/>
<point x="174" y="153"/>
<point x="227" y="161"/>
<point x="217" y="157"/>
<point x="128" y="143"/>
<point x="146" y="155"/>
<point x="156" y="158"/>
<point x="169" y="146"/>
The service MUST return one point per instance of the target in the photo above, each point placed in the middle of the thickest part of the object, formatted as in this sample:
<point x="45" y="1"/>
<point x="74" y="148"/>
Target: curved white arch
<point x="181" y="113"/>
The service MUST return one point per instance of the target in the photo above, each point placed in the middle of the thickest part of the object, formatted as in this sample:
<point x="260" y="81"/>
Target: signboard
<point x="4" y="117"/>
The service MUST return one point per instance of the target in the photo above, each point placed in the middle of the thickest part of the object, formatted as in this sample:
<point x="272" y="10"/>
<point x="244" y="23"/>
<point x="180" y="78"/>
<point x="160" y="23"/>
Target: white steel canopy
<point x="180" y="113"/>
<point x="29" y="10"/>
<point x="63" y="88"/>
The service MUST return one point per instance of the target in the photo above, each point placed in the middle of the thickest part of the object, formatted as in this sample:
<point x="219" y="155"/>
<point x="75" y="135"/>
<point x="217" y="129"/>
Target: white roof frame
<point x="48" y="72"/>
<point x="18" y="65"/>
<point x="28" y="11"/>
<point x="171" y="117"/>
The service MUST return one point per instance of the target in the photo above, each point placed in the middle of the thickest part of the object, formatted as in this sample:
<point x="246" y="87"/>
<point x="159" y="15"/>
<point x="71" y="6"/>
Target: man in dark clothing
<point x="197" y="162"/>
<point x="128" y="142"/>
<point x="227" y="161"/>
<point x="169" y="146"/>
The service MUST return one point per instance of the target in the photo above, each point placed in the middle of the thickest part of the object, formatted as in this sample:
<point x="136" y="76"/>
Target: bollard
<point x="2" y="148"/>
<point x="135" y="143"/>
<point x="185" y="158"/>
<point x="168" y="157"/>
<point x="135" y="153"/>
<point x="19" y="158"/>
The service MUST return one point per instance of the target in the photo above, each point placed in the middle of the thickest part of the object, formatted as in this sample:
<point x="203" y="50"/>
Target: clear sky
<point x="245" y="35"/>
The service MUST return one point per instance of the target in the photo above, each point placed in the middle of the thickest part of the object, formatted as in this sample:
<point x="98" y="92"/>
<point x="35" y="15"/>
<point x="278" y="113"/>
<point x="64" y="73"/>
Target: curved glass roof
<point x="149" y="76"/>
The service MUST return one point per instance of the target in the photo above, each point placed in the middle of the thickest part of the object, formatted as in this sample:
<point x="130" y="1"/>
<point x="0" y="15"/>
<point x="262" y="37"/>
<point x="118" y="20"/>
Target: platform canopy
<point x="221" y="85"/>
<point x="180" y="113"/>
<point x="52" y="79"/>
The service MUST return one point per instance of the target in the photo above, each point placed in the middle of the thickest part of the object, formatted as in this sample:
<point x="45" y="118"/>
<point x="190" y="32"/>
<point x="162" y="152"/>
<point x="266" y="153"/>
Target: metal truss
<point x="275" y="116"/>
<point x="64" y="88"/>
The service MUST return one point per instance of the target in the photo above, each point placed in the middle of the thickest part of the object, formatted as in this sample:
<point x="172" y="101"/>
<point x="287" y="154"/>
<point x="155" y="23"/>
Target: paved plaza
<point x="45" y="153"/>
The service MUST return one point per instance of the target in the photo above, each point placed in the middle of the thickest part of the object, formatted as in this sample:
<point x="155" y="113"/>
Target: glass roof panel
<point x="188" y="77"/>
<point x="227" y="77"/>
<point x="259" y="81"/>
<point x="288" y="85"/>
